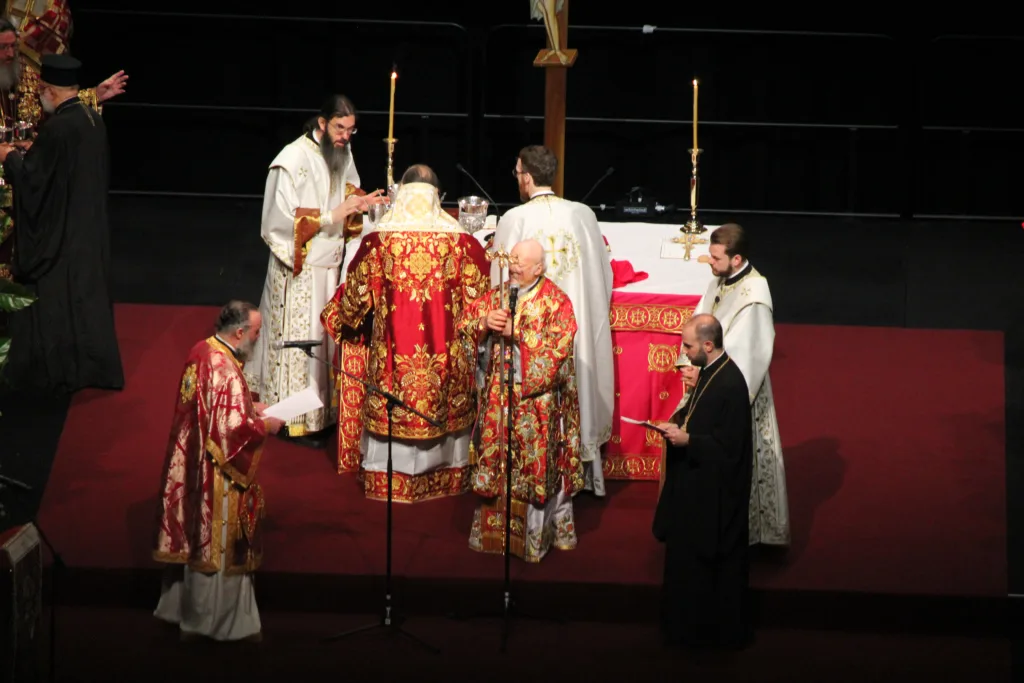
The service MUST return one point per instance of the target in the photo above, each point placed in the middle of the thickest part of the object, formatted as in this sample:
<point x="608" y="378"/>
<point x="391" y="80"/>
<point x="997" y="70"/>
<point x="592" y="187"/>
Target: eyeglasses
<point x="338" y="130"/>
<point x="516" y="173"/>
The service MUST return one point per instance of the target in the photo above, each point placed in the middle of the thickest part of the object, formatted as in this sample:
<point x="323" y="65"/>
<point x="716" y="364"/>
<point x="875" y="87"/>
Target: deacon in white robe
<point x="311" y="194"/>
<point x="740" y="299"/>
<point x="579" y="263"/>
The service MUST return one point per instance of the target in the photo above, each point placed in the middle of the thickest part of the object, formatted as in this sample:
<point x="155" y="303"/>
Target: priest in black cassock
<point x="702" y="514"/>
<point x="65" y="341"/>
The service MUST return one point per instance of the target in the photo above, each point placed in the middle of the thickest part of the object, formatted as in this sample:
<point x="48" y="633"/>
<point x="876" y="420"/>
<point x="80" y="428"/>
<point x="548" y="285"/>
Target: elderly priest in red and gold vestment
<point x="211" y="504"/>
<point x="393" y="321"/>
<point x="547" y="467"/>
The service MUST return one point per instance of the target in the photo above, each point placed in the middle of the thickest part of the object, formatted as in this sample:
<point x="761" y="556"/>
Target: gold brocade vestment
<point x="394" y="323"/>
<point x="547" y="467"/>
<point x="214" y="448"/>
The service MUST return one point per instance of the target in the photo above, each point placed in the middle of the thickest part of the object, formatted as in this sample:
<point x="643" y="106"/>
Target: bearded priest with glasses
<point x="311" y="203"/>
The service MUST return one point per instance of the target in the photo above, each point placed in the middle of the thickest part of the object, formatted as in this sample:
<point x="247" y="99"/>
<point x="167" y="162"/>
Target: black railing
<point x="476" y="51"/>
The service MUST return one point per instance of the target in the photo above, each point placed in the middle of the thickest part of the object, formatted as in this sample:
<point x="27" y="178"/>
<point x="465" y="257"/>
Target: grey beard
<point x="336" y="157"/>
<point x="245" y="349"/>
<point x="10" y="74"/>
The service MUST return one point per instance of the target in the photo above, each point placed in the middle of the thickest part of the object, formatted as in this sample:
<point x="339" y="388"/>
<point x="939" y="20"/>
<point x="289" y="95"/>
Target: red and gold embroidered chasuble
<point x="214" y="449"/>
<point x="393" y="320"/>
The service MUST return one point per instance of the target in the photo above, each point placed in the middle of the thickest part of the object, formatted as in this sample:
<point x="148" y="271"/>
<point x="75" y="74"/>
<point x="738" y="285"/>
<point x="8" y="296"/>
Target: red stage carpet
<point x="893" y="439"/>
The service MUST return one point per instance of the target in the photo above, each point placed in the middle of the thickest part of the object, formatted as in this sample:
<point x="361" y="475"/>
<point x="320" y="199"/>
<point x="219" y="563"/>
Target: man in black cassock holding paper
<point x="702" y="512"/>
<point x="64" y="341"/>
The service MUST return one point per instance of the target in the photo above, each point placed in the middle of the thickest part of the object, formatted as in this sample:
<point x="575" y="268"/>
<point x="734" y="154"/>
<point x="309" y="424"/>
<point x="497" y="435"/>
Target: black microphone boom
<point x="463" y="171"/>
<point x="297" y="344"/>
<point x="611" y="169"/>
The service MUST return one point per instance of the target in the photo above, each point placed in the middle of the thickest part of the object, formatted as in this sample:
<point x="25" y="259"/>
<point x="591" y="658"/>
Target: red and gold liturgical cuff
<point x="307" y="225"/>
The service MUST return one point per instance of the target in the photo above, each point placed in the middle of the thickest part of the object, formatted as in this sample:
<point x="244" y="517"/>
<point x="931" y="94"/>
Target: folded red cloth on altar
<point x="623" y="274"/>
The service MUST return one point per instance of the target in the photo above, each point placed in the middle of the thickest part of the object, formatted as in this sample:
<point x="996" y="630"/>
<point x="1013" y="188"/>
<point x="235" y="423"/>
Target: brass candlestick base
<point x="391" y="159"/>
<point x="692" y="227"/>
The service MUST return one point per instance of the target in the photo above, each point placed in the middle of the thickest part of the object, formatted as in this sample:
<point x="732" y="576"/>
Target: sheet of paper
<point x="295" y="405"/>
<point x="642" y="423"/>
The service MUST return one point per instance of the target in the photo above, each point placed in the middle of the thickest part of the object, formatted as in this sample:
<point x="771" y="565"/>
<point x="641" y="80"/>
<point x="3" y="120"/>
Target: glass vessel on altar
<point x="473" y="213"/>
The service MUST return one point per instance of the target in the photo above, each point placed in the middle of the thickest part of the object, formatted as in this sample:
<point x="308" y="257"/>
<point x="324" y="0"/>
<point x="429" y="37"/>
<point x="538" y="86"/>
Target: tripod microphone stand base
<point x="389" y="624"/>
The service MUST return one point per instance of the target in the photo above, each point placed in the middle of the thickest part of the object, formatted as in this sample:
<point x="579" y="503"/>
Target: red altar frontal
<point x="647" y="318"/>
<point x="645" y="340"/>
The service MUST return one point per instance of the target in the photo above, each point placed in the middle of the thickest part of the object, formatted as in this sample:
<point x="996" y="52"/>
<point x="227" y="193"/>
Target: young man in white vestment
<point x="312" y="193"/>
<point x="740" y="299"/>
<point x="577" y="260"/>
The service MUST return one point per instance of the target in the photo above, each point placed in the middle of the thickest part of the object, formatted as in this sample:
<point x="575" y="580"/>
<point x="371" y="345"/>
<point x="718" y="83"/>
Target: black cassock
<point x="65" y="341"/>
<point x="702" y="515"/>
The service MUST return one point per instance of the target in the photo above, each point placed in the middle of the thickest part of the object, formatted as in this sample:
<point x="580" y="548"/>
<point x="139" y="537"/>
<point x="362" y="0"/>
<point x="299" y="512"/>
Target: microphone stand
<point x="509" y="608"/>
<point x="599" y="181"/>
<point x="58" y="565"/>
<point x="388" y="622"/>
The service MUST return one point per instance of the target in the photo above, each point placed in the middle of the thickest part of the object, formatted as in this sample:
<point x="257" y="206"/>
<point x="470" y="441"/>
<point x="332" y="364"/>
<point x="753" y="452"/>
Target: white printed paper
<point x="642" y="423"/>
<point x="295" y="405"/>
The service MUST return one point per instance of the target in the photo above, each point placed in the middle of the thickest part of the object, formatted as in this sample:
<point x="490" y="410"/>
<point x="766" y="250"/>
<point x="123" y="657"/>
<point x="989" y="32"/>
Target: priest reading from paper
<point x="577" y="260"/>
<point x="311" y="202"/>
<point x="394" y="322"/>
<point x="547" y="470"/>
<point x="211" y="504"/>
<point x="702" y="510"/>
<point x="740" y="299"/>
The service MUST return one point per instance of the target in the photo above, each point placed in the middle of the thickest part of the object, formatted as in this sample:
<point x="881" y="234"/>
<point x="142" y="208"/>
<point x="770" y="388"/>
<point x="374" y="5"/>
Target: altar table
<point x="647" y="318"/>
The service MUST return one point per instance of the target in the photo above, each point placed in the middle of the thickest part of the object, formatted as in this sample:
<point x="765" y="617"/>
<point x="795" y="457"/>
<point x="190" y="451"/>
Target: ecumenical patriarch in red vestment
<point x="393" y="320"/>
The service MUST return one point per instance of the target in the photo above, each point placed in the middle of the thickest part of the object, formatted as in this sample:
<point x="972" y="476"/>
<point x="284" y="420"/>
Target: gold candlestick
<point x="390" y="139"/>
<point x="391" y="162"/>
<point x="693" y="226"/>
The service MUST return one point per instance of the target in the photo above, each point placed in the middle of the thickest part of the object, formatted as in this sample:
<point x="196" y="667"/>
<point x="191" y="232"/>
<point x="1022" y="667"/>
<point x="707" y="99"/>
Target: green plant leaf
<point x="5" y="347"/>
<point x="14" y="297"/>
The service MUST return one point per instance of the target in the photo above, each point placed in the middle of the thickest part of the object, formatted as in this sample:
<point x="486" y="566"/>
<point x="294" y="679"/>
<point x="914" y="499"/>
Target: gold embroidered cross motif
<point x="688" y="240"/>
<point x="563" y="251"/>
<point x="303" y="173"/>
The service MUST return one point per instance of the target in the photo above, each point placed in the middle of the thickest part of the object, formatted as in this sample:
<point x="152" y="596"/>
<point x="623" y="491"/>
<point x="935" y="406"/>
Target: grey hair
<point x="234" y="316"/>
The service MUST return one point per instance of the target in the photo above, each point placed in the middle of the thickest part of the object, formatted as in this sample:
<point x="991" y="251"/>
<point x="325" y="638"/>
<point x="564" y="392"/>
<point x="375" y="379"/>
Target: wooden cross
<point x="556" y="59"/>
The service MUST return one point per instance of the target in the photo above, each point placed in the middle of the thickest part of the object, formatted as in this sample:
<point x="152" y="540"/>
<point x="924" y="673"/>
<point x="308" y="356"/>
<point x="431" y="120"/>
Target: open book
<point x="643" y="423"/>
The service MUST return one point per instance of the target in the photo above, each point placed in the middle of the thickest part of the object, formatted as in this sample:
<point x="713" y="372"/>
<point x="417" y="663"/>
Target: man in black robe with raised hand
<point x="65" y="341"/>
<point x="702" y="512"/>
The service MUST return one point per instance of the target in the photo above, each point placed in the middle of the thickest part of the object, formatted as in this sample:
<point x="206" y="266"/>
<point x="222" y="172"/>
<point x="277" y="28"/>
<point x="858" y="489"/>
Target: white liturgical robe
<point x="742" y="304"/>
<point x="578" y="262"/>
<point x="291" y="303"/>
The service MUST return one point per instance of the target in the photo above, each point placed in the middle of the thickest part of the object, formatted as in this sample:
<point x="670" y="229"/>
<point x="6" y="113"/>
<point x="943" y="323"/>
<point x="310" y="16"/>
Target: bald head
<point x="706" y="328"/>
<point x="529" y="265"/>
<point x="420" y="173"/>
<point x="702" y="339"/>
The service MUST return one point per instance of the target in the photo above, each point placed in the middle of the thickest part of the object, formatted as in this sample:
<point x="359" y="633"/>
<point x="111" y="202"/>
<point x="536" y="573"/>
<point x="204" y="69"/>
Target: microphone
<point x="298" y="344"/>
<point x="463" y="171"/>
<point x="513" y="294"/>
<point x="611" y="169"/>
